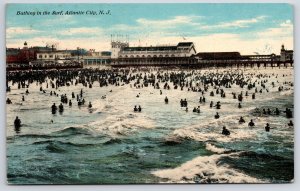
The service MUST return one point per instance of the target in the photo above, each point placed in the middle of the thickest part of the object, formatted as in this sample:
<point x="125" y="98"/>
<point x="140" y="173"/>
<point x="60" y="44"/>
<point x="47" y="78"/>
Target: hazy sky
<point x="246" y="28"/>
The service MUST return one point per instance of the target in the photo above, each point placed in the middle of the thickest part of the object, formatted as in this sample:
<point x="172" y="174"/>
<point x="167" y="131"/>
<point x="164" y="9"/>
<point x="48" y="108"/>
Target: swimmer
<point x="225" y="131"/>
<point x="291" y="124"/>
<point x="267" y="127"/>
<point x="217" y="116"/>
<point x="251" y="123"/>
<point x="17" y="122"/>
<point x="242" y="120"/>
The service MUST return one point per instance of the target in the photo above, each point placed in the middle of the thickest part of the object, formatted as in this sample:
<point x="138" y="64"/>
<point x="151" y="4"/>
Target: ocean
<point x="111" y="144"/>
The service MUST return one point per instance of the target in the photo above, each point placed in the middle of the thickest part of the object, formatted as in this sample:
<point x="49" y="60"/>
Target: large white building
<point x="181" y="53"/>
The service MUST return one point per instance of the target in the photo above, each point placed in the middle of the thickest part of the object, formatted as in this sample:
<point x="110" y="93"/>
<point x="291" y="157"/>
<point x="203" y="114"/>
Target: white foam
<point x="212" y="132"/>
<point x="214" y="149"/>
<point x="122" y="124"/>
<point x="101" y="105"/>
<point x="205" y="169"/>
<point x="287" y="92"/>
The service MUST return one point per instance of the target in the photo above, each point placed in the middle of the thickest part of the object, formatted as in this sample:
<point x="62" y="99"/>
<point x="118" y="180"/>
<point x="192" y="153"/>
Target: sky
<point x="247" y="28"/>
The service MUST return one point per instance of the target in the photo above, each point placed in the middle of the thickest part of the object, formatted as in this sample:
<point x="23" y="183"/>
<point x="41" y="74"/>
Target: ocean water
<point x="111" y="144"/>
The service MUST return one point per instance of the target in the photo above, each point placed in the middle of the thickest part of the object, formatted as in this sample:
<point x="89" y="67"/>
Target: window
<point x="40" y="56"/>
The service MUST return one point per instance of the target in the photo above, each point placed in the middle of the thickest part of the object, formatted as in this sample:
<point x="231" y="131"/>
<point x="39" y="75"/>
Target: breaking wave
<point x="122" y="124"/>
<point x="215" y="149"/>
<point x="205" y="169"/>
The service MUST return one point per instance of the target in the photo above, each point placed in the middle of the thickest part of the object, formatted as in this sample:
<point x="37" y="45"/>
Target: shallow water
<point x="111" y="144"/>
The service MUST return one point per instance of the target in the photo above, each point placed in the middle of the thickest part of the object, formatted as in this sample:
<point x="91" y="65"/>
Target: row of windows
<point x="149" y="56"/>
<point x="52" y="56"/>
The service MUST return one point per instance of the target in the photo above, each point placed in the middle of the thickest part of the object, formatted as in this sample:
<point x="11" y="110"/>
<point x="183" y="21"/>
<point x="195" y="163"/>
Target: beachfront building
<point x="95" y="58"/>
<point x="23" y="57"/>
<point x="182" y="53"/>
<point x="286" y="55"/>
<point x="116" y="48"/>
<point x="53" y="55"/>
<point x="53" y="58"/>
<point x="218" y="56"/>
<point x="225" y="59"/>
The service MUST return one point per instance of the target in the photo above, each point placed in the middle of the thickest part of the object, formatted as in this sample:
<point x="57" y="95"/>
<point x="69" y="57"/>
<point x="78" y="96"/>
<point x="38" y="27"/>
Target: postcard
<point x="149" y="93"/>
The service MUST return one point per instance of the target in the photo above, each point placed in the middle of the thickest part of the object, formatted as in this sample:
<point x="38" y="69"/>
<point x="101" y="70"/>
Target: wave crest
<point x="205" y="169"/>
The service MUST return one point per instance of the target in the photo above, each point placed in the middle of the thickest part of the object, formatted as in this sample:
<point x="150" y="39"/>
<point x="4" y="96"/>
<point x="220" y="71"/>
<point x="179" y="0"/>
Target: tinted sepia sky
<point x="247" y="28"/>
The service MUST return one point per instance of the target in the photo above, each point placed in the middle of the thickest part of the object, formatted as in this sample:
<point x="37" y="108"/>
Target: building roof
<point x="105" y="53"/>
<point x="158" y="48"/>
<point x="290" y="51"/>
<point x="54" y="51"/>
<point x="12" y="51"/>
<point x="218" y="55"/>
<point x="185" y="44"/>
<point x="151" y="48"/>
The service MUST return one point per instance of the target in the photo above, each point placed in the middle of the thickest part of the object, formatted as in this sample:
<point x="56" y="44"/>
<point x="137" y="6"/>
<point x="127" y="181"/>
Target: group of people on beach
<point x="214" y="82"/>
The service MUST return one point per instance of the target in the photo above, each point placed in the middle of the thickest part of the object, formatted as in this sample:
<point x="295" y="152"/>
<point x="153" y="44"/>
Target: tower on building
<point x="286" y="55"/>
<point x="282" y="47"/>
<point x="25" y="45"/>
<point x="282" y="53"/>
<point x="118" y="42"/>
